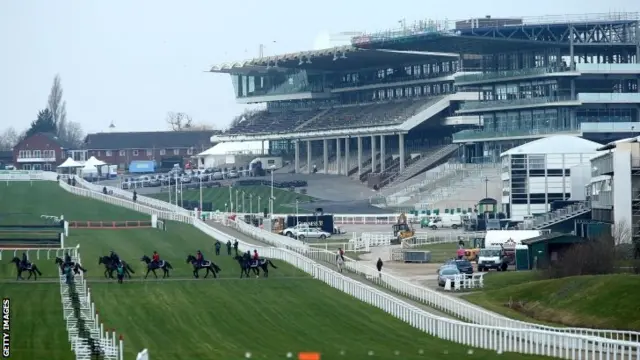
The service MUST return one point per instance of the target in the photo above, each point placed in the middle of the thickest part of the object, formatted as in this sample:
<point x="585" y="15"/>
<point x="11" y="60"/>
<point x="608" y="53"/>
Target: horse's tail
<point x="216" y="267"/>
<point x="130" y="269"/>
<point x="168" y="265"/>
<point x="270" y="263"/>
<point x="35" y="268"/>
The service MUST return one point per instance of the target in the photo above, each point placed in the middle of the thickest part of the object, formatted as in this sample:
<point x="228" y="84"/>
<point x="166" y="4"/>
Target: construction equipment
<point x="402" y="230"/>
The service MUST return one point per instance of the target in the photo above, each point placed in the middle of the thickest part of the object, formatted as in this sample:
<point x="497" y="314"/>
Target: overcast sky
<point x="131" y="62"/>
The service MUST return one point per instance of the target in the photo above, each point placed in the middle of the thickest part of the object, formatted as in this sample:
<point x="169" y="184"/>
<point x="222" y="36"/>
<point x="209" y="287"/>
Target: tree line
<point x="51" y="119"/>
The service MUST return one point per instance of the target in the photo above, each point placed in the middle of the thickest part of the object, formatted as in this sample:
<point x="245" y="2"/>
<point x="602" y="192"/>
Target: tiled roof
<point x="149" y="140"/>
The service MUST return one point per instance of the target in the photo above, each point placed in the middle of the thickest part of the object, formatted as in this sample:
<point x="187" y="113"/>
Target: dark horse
<point x="74" y="265"/>
<point x="246" y="265"/>
<point x="110" y="267"/>
<point x="31" y="268"/>
<point x="152" y="267"/>
<point x="209" y="265"/>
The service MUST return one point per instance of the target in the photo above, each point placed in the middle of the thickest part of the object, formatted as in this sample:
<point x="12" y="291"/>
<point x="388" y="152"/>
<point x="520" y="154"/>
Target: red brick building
<point x="163" y="147"/>
<point x="39" y="152"/>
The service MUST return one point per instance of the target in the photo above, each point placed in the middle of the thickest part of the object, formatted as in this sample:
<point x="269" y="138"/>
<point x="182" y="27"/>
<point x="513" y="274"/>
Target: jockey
<point x="199" y="258"/>
<point x="25" y="261"/>
<point x="114" y="257"/>
<point x="256" y="257"/>
<point x="67" y="258"/>
<point x="156" y="258"/>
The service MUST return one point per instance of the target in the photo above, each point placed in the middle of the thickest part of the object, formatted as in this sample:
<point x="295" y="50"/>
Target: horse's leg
<point x="147" y="274"/>
<point x="213" y="271"/>
<point x="154" y="273"/>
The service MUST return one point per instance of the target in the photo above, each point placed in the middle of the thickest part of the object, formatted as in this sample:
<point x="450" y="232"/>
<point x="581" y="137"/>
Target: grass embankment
<point x="285" y="202"/>
<point x="606" y="301"/>
<point x="205" y="319"/>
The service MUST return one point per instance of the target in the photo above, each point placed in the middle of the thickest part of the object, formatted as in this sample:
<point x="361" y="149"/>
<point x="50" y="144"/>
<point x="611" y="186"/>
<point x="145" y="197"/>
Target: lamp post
<point x="230" y="199"/>
<point x="259" y="203"/>
<point x="176" y="178"/>
<point x="486" y="187"/>
<point x="244" y="209"/>
<point x="200" y="195"/>
<point x="237" y="192"/>
<point x="273" y="168"/>
<point x="297" y="212"/>
<point x="251" y="203"/>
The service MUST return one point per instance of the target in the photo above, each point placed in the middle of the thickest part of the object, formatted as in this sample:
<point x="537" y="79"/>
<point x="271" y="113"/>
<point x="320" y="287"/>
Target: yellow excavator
<point x="402" y="230"/>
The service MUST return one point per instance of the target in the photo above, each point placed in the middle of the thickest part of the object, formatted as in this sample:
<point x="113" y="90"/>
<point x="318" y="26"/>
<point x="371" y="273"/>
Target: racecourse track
<point x="140" y="280"/>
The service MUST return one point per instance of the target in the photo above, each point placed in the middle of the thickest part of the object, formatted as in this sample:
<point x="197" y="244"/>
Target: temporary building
<point x="94" y="162"/>
<point x="69" y="163"/>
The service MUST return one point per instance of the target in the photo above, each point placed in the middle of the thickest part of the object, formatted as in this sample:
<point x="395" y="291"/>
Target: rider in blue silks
<point x="67" y="258"/>
<point x="115" y="258"/>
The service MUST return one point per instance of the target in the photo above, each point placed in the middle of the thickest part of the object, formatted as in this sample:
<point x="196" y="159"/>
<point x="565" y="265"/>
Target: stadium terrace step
<point x="546" y="220"/>
<point x="267" y="121"/>
<point x="425" y="163"/>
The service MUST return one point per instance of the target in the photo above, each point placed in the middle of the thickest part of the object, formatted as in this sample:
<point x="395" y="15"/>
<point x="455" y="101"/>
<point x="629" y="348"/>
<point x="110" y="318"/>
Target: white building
<point x="537" y="173"/>
<point x="614" y="190"/>
<point x="231" y="154"/>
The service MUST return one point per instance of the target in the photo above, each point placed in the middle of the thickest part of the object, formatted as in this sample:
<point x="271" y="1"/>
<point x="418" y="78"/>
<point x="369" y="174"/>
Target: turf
<point x="285" y="202"/>
<point x="440" y="252"/>
<point x="607" y="301"/>
<point x="37" y="325"/>
<point x="215" y="319"/>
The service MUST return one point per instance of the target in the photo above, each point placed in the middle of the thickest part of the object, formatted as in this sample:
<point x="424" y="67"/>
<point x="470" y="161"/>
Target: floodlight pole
<point x="200" y="196"/>
<point x="486" y="187"/>
<point x="176" y="175"/>
<point x="230" y="198"/>
<point x="237" y="192"/>
<point x="244" y="210"/>
<point x="251" y="203"/>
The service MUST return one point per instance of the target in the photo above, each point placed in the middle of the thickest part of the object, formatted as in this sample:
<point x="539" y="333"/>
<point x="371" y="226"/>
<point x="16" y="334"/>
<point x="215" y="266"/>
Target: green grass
<point x="607" y="301"/>
<point x="37" y="325"/>
<point x="440" y="252"/>
<point x="285" y="200"/>
<point x="206" y="319"/>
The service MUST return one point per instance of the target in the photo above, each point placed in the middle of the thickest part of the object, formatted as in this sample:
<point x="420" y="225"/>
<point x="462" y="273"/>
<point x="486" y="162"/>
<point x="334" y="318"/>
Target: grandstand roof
<point x="336" y="58"/>
<point x="558" y="144"/>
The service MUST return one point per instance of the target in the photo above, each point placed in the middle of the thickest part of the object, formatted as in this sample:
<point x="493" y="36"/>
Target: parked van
<point x="452" y="221"/>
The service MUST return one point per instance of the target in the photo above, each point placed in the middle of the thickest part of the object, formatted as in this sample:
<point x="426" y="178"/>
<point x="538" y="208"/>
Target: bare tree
<point x="179" y="121"/>
<point x="9" y="138"/>
<point x="74" y="135"/>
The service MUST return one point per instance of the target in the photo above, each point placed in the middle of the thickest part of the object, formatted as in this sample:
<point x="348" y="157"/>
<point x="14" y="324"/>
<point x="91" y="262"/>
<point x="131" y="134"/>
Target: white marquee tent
<point x="94" y="162"/>
<point x="69" y="163"/>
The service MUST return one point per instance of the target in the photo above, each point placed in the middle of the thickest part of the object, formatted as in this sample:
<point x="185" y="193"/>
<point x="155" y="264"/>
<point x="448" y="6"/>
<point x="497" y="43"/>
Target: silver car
<point x="447" y="272"/>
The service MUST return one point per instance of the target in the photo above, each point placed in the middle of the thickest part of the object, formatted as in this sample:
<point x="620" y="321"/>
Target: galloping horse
<point x="254" y="265"/>
<point x="74" y="265"/>
<point x="152" y="267"/>
<point x="31" y="268"/>
<point x="209" y="265"/>
<point x="110" y="267"/>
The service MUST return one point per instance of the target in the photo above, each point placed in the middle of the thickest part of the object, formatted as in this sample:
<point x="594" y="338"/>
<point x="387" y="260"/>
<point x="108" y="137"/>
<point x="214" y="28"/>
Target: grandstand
<point x="397" y="103"/>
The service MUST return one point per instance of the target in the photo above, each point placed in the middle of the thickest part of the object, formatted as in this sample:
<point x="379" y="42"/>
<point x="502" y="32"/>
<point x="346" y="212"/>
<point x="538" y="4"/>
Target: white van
<point x="452" y="221"/>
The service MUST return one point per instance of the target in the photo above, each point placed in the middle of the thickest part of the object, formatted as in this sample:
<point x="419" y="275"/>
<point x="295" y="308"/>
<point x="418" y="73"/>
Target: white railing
<point x="490" y="331"/>
<point x="447" y="304"/>
<point x="83" y="313"/>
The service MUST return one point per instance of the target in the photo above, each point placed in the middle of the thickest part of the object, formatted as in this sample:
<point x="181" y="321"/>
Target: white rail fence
<point x="82" y="321"/>
<point x="488" y="330"/>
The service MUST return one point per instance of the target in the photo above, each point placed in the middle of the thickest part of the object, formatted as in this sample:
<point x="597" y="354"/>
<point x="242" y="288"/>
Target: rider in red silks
<point x="156" y="258"/>
<point x="255" y="255"/>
